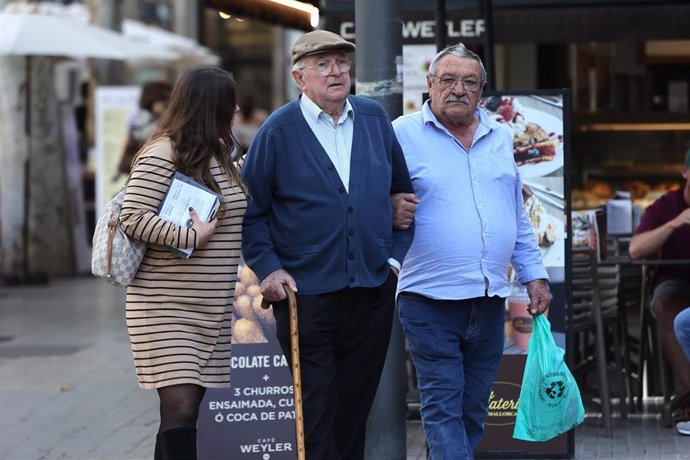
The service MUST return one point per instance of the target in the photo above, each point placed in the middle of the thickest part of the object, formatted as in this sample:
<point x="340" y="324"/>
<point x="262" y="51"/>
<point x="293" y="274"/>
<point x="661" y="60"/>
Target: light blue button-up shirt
<point x="336" y="139"/>
<point x="470" y="225"/>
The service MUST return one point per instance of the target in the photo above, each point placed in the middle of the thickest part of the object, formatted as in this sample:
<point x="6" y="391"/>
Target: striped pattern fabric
<point x="179" y="310"/>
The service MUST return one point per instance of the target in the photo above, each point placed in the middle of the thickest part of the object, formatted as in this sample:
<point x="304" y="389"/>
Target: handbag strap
<point x="112" y="228"/>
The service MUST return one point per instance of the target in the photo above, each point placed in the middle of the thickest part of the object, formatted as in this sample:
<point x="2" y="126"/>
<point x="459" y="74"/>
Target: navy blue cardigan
<point x="299" y="215"/>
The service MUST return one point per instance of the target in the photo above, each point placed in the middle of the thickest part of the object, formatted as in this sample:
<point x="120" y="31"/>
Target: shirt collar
<point x="313" y="111"/>
<point x="484" y="120"/>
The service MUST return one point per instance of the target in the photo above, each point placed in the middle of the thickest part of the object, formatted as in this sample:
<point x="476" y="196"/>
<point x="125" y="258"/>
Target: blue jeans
<point x="681" y="325"/>
<point x="456" y="347"/>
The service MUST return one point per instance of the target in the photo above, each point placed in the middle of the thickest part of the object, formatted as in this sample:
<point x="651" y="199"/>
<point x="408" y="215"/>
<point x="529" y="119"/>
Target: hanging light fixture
<point x="287" y="13"/>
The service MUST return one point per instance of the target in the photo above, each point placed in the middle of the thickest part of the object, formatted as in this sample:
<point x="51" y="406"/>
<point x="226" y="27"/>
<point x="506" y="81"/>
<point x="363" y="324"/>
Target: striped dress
<point x="179" y="310"/>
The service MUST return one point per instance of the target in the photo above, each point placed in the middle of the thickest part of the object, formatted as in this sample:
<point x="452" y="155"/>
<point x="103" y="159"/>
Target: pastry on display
<point x="637" y="188"/>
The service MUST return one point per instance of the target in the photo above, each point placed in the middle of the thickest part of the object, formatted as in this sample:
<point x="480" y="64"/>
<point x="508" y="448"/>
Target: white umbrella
<point x="44" y="35"/>
<point x="189" y="50"/>
<point x="47" y="35"/>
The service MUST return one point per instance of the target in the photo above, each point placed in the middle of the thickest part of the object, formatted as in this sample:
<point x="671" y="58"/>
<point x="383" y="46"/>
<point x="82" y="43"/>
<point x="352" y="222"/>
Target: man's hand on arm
<point x="404" y="206"/>
<point x="272" y="286"/>
<point x="539" y="297"/>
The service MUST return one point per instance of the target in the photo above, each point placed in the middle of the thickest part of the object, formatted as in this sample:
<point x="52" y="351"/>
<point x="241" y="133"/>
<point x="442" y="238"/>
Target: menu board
<point x="255" y="418"/>
<point x="540" y="122"/>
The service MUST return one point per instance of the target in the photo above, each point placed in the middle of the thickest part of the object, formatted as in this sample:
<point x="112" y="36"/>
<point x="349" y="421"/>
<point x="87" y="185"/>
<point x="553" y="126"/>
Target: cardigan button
<point x="351" y="233"/>
<point x="350" y="209"/>
<point x="352" y="279"/>
<point x="341" y="189"/>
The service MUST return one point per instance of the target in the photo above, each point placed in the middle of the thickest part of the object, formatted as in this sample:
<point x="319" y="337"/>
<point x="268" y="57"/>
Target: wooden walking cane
<point x="296" y="373"/>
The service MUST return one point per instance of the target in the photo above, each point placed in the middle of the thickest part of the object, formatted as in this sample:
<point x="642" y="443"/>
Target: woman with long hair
<point x="179" y="310"/>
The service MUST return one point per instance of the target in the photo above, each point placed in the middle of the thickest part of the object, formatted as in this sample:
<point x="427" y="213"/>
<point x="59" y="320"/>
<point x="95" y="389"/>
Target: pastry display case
<point x="637" y="153"/>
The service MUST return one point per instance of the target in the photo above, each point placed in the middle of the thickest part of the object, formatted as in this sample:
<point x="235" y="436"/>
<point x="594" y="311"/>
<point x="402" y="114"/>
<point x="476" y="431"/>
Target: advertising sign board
<point x="540" y="121"/>
<point x="254" y="419"/>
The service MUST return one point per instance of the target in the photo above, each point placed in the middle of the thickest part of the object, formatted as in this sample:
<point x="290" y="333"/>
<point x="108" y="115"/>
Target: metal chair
<point x="659" y="373"/>
<point x="643" y="354"/>
<point x="612" y="318"/>
<point x="631" y="297"/>
<point x="594" y="318"/>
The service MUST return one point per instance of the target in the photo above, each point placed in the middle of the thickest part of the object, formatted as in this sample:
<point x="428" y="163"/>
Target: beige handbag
<point x="116" y="256"/>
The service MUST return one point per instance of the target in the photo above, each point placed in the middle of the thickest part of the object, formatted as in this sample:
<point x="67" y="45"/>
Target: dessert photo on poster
<point x="536" y="120"/>
<point x="251" y="322"/>
<point x="537" y="125"/>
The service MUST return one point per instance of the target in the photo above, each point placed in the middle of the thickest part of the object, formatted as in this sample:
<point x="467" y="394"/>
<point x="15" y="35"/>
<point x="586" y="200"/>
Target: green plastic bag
<point x="550" y="401"/>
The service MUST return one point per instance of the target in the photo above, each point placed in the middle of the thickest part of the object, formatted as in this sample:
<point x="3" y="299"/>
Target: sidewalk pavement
<point x="68" y="388"/>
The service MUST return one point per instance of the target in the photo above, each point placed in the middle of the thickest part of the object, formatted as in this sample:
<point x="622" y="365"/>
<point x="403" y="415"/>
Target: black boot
<point x="157" y="454"/>
<point x="178" y="444"/>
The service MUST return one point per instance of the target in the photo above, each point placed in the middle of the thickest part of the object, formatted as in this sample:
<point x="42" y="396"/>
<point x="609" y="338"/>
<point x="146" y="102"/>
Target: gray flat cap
<point x="318" y="41"/>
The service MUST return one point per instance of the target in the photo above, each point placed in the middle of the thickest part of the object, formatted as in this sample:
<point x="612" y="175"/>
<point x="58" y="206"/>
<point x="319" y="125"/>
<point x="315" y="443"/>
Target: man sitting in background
<point x="664" y="233"/>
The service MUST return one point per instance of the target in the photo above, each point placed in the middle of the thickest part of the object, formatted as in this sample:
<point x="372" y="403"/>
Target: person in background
<point x="470" y="225"/>
<point x="664" y="234"/>
<point x="152" y="103"/>
<point x="81" y="116"/>
<point x="681" y="326"/>
<point x="320" y="173"/>
<point x="179" y="310"/>
<point x="248" y="121"/>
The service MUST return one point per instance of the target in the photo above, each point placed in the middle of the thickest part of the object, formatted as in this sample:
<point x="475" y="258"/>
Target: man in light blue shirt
<point x="469" y="227"/>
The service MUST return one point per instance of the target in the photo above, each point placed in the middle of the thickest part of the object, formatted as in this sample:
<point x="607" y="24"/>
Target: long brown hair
<point x="198" y="121"/>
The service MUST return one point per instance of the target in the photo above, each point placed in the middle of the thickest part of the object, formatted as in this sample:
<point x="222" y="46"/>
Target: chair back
<point x="630" y="295"/>
<point x="594" y="294"/>
<point x="609" y="282"/>
<point x="586" y="306"/>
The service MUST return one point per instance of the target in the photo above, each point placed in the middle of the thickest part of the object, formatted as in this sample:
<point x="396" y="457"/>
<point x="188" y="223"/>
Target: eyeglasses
<point x="324" y="67"/>
<point x="470" y="84"/>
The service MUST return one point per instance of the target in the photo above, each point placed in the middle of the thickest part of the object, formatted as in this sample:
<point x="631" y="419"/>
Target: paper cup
<point x="521" y="321"/>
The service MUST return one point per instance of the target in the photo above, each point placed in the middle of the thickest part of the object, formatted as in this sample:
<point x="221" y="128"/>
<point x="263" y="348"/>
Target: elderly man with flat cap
<point x="320" y="173"/>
